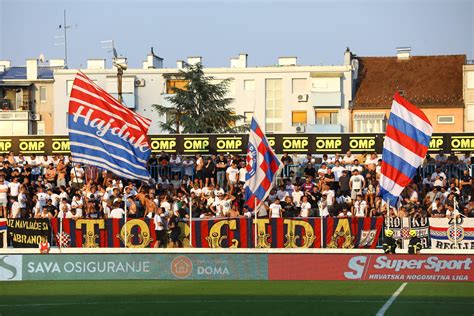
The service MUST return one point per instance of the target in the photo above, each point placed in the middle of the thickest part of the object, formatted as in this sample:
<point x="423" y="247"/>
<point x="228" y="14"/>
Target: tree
<point x="201" y="107"/>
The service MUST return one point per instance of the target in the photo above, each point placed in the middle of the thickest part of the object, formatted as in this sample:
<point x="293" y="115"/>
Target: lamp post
<point x="121" y="67"/>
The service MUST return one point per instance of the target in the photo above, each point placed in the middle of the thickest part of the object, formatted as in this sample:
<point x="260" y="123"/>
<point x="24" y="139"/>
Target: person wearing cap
<point x="389" y="243"/>
<point x="414" y="245"/>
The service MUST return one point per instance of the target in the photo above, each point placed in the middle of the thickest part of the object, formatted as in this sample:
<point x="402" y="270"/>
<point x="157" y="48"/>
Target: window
<point x="369" y="122"/>
<point x="470" y="112"/>
<point x="298" y="86"/>
<point x="42" y="92"/>
<point x="445" y="119"/>
<point x="249" y="85"/>
<point x="327" y="117"/>
<point x="470" y="79"/>
<point x="273" y="105"/>
<point x="248" y="117"/>
<point x="19" y="100"/>
<point x="128" y="99"/>
<point x="175" y="83"/>
<point x="299" y="118"/>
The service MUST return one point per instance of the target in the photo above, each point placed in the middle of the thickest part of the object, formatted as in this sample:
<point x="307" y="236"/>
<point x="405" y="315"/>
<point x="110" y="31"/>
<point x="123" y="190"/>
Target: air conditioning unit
<point x="301" y="128"/>
<point x="139" y="82"/>
<point x="302" y="98"/>
<point x="36" y="117"/>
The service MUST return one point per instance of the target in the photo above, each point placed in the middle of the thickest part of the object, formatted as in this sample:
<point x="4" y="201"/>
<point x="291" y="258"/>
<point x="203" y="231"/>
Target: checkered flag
<point x="64" y="240"/>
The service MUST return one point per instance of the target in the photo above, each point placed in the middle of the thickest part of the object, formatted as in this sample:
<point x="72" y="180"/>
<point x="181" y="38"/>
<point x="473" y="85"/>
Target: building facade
<point x="26" y="97"/>
<point x="468" y="89"/>
<point x="285" y="98"/>
<point x="432" y="83"/>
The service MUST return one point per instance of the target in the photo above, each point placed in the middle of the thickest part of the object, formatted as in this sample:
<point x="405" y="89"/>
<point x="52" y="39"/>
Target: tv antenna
<point x="63" y="27"/>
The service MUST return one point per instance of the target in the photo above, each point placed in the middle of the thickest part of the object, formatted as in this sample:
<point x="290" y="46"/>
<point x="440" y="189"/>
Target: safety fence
<point x="293" y="171"/>
<point x="435" y="233"/>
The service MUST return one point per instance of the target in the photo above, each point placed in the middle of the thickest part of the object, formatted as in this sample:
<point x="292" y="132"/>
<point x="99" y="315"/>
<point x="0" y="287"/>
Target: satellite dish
<point x="41" y="58"/>
<point x="114" y="51"/>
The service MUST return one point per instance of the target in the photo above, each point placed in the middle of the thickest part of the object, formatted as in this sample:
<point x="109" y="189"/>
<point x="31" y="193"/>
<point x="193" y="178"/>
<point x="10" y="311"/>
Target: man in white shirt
<point x="77" y="176"/>
<point x="275" y="209"/>
<point x="337" y="170"/>
<point x="282" y="193"/>
<point x="297" y="195"/>
<point x="14" y="187"/>
<point x="3" y="197"/>
<point x="232" y="173"/>
<point x="15" y="209"/>
<point x="348" y="159"/>
<point x="360" y="207"/>
<point x="242" y="173"/>
<point x="356" y="183"/>
<point x="305" y="207"/>
<point x="65" y="209"/>
<point x="117" y="211"/>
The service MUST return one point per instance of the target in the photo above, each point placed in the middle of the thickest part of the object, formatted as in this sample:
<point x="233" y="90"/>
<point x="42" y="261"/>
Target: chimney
<point x="56" y="63"/>
<point x="4" y="64"/>
<point x="193" y="60"/>
<point x="239" y="62"/>
<point x="181" y="64"/>
<point x="287" y="61"/>
<point x="347" y="56"/>
<point x="153" y="61"/>
<point x="96" y="64"/>
<point x="31" y="69"/>
<point x="403" y="53"/>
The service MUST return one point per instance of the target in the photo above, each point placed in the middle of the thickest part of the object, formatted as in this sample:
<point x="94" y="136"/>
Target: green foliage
<point x="202" y="107"/>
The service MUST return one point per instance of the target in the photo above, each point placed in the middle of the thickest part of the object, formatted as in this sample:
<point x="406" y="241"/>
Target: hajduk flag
<point x="104" y="133"/>
<point x="406" y="143"/>
<point x="262" y="167"/>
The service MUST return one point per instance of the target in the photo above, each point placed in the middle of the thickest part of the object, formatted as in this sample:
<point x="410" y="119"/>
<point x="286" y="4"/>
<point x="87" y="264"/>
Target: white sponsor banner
<point x="11" y="267"/>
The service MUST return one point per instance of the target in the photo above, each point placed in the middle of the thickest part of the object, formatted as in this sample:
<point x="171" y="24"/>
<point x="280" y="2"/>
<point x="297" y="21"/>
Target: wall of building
<point x="432" y="114"/>
<point x="245" y="100"/>
<point x="44" y="108"/>
<point x="468" y="96"/>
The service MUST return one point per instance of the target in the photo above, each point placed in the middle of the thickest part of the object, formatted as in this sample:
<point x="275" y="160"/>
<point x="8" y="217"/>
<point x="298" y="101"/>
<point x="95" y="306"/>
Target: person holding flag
<point x="262" y="167"/>
<point x="405" y="146"/>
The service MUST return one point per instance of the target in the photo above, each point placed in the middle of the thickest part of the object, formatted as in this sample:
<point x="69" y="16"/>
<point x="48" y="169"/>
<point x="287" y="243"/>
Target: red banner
<point x="225" y="233"/>
<point x="371" y="267"/>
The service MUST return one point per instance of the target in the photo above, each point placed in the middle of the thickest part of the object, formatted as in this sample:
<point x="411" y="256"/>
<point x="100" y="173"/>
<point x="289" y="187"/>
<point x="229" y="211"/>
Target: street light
<point x="121" y="67"/>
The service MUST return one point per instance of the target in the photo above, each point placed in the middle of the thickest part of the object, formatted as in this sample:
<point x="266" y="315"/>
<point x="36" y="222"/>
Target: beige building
<point x="432" y="83"/>
<point x="26" y="97"/>
<point x="285" y="97"/>
<point x="468" y="89"/>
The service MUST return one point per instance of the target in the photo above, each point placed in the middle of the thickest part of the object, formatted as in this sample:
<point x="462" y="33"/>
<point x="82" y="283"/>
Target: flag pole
<point x="455" y="223"/>
<point x="190" y="223"/>
<point x="321" y="217"/>
<point x="125" y="223"/>
<point x="255" y="223"/>
<point x="60" y="232"/>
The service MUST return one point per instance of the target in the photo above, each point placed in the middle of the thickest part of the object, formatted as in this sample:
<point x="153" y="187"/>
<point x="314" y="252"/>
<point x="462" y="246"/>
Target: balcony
<point x="15" y="115"/>
<point x="326" y="99"/>
<point x="324" y="128"/>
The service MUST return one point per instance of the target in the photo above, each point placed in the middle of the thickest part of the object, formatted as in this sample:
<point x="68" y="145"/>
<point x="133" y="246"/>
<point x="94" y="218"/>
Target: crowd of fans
<point x="213" y="186"/>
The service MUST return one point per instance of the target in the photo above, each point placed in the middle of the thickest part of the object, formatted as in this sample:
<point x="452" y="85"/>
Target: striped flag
<point x="262" y="167"/>
<point x="104" y="133"/>
<point x="406" y="143"/>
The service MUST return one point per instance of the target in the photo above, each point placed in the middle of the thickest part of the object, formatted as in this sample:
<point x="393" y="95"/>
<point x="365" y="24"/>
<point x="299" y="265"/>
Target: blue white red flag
<point x="104" y="133"/>
<point x="406" y="143"/>
<point x="262" y="167"/>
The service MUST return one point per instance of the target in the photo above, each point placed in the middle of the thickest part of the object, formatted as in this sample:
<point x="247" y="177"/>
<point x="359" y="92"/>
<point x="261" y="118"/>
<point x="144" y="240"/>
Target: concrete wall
<point x="468" y="91"/>
<point x="154" y="91"/>
<point x="432" y="114"/>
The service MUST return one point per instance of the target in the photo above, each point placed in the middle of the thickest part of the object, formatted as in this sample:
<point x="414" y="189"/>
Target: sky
<point x="317" y="32"/>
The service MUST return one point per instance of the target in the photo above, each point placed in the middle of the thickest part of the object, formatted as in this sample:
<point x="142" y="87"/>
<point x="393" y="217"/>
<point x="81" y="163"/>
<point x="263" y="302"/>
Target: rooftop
<point x="19" y="73"/>
<point x="426" y="81"/>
